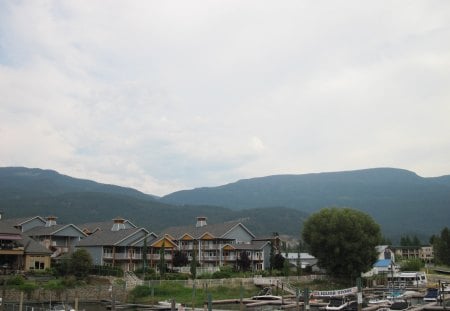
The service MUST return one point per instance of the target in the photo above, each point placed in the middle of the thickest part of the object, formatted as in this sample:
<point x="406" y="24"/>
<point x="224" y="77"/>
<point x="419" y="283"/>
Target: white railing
<point x="122" y="256"/>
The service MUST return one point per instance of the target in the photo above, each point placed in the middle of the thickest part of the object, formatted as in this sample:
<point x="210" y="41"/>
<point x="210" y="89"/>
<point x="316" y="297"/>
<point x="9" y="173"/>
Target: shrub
<point x="105" y="270"/>
<point x="412" y="265"/>
<point x="224" y="273"/>
<point x="15" y="280"/>
<point x="28" y="288"/>
<point x="141" y="291"/>
<point x="176" y="276"/>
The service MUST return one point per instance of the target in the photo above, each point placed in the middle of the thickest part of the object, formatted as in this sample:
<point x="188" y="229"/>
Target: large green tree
<point x="244" y="262"/>
<point x="441" y="245"/>
<point x="343" y="240"/>
<point x="80" y="263"/>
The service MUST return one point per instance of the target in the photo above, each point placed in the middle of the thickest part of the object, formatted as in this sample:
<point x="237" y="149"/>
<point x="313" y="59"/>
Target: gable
<point x="166" y="242"/>
<point x="132" y="238"/>
<point x="187" y="237"/>
<point x="32" y="223"/>
<point x="228" y="247"/>
<point x="207" y="236"/>
<point x="70" y="231"/>
<point x="239" y="233"/>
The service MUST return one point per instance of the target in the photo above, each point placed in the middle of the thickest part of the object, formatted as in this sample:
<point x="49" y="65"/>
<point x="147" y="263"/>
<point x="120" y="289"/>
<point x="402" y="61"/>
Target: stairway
<point x="131" y="280"/>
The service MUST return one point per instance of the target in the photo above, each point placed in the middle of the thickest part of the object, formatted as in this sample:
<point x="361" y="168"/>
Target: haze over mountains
<point x="399" y="200"/>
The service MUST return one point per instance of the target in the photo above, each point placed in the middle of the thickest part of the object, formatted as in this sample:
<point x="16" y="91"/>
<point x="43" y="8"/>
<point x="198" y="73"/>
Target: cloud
<point x="163" y="96"/>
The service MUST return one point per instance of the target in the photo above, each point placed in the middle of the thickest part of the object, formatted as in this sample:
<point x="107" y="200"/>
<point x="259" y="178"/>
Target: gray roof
<point x="217" y="230"/>
<point x="103" y="225"/>
<point x="7" y="228"/>
<point x="255" y="245"/>
<point x="33" y="247"/>
<point x="21" y="220"/>
<point x="52" y="230"/>
<point x="30" y="246"/>
<point x="108" y="237"/>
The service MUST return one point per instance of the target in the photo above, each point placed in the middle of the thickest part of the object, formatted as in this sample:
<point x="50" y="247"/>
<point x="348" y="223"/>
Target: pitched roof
<point x="7" y="228"/>
<point x="21" y="220"/>
<point x="33" y="247"/>
<point x="103" y="225"/>
<point x="255" y="245"/>
<point x="108" y="237"/>
<point x="30" y="246"/>
<point x="51" y="230"/>
<point x="217" y="230"/>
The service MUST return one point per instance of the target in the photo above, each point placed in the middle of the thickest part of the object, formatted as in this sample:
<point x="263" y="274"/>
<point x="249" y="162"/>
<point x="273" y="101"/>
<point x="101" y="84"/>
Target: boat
<point x="266" y="297"/>
<point x="399" y="305"/>
<point x="445" y="287"/>
<point x="352" y="306"/>
<point x="380" y="301"/>
<point x="62" y="307"/>
<point x="266" y="294"/>
<point x="395" y="295"/>
<point x="431" y="295"/>
<point x="337" y="303"/>
<point x="168" y="304"/>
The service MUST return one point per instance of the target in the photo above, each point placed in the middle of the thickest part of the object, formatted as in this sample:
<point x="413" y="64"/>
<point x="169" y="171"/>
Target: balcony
<point x="11" y="250"/>
<point x="214" y="258"/>
<point x="210" y="247"/>
<point x="158" y="257"/>
<point x="122" y="256"/>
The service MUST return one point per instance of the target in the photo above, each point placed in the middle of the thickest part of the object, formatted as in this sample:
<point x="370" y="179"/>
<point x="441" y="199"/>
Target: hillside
<point x="25" y="182"/>
<point x="29" y="192"/>
<point x="401" y="201"/>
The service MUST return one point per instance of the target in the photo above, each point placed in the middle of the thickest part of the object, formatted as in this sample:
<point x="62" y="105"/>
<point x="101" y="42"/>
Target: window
<point x="38" y="263"/>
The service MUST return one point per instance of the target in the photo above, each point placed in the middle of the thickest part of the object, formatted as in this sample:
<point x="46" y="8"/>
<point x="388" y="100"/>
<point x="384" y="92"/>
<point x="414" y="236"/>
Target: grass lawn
<point x="185" y="295"/>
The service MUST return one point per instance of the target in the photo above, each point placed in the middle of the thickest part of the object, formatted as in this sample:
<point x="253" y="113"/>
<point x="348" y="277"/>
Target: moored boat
<point x="431" y="295"/>
<point x="337" y="303"/>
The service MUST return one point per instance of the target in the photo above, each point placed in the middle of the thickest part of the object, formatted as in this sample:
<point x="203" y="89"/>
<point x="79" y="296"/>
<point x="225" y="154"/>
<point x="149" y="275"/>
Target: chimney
<point x="119" y="223"/>
<point x="201" y="221"/>
<point x="50" y="221"/>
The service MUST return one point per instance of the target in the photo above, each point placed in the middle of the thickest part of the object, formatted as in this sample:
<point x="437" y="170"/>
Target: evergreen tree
<point x="162" y="261"/>
<point x="244" y="261"/>
<point x="441" y="245"/>
<point x="80" y="263"/>
<point x="278" y="262"/>
<point x="193" y="266"/>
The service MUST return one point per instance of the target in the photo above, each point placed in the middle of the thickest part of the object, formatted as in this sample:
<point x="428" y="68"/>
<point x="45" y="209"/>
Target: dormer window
<point x="119" y="224"/>
<point x="50" y="221"/>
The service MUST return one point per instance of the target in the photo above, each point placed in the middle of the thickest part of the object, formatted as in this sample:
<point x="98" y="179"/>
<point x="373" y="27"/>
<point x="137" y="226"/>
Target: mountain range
<point x="399" y="200"/>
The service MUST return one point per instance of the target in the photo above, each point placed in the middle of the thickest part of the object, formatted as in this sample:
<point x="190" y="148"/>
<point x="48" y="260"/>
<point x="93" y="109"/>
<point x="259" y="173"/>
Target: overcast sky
<point x="169" y="95"/>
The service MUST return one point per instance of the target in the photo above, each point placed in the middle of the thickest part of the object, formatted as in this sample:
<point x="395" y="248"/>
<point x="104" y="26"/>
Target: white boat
<point x="337" y="303"/>
<point x="62" y="307"/>
<point x="167" y="303"/>
<point x="266" y="294"/>
<point x="395" y="295"/>
<point x="380" y="301"/>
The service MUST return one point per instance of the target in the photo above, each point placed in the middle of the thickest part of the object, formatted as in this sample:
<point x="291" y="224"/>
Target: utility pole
<point x="360" y="298"/>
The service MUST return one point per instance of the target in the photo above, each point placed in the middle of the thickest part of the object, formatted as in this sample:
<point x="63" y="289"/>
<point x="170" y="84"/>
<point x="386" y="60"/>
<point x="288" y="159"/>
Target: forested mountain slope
<point x="30" y="192"/>
<point x="400" y="200"/>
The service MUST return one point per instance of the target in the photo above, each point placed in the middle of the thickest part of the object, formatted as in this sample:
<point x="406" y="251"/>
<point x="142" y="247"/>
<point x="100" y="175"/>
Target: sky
<point x="162" y="96"/>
